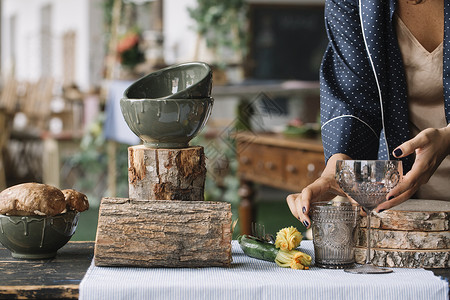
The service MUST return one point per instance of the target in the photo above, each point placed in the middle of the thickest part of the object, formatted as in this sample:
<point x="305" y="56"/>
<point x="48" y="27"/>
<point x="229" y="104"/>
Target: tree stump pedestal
<point x="166" y="174"/>
<point x="164" y="222"/>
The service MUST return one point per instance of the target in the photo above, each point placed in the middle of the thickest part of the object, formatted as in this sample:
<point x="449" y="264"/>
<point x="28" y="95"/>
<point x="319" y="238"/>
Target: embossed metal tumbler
<point x="334" y="228"/>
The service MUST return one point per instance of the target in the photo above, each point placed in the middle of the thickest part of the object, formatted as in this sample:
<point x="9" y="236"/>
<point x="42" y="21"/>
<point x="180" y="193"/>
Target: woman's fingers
<point x="394" y="201"/>
<point x="291" y="203"/>
<point x="407" y="187"/>
<point x="421" y="140"/>
<point x="299" y="206"/>
<point x="402" y="192"/>
<point x="304" y="205"/>
<point x="405" y="149"/>
<point x="419" y="174"/>
<point x="323" y="189"/>
<point x="430" y="146"/>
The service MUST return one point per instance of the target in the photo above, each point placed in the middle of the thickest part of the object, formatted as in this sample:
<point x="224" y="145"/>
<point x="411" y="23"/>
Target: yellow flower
<point x="288" y="238"/>
<point x="293" y="259"/>
<point x="300" y="261"/>
<point x="283" y="259"/>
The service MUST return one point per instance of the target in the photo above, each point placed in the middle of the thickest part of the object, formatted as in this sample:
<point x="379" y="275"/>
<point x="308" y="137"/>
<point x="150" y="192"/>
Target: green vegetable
<point x="257" y="249"/>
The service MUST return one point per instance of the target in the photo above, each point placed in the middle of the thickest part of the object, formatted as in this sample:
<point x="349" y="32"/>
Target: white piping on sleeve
<point x="375" y="74"/>
<point x="351" y="116"/>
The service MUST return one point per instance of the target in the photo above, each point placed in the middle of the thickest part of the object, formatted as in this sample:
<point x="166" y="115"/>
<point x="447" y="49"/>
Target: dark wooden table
<point x="60" y="277"/>
<point x="56" y="278"/>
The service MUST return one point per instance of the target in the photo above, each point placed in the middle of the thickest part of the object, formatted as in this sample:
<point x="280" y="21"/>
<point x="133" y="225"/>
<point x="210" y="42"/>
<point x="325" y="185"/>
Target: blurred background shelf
<point x="64" y="66"/>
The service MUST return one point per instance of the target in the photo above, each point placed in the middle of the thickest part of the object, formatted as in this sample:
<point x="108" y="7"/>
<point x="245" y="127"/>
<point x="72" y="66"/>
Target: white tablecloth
<point x="249" y="278"/>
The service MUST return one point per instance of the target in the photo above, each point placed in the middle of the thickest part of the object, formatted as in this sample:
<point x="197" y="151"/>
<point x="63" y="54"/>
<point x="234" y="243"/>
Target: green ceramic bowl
<point x="166" y="123"/>
<point x="187" y="80"/>
<point x="37" y="237"/>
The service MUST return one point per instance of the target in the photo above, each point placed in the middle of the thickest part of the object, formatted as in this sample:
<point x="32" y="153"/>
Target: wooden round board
<point x="414" y="214"/>
<point x="396" y="239"/>
<point x="395" y="258"/>
<point x="414" y="234"/>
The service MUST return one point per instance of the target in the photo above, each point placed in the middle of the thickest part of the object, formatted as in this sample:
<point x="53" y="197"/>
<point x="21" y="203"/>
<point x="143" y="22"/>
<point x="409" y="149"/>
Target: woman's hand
<point x="324" y="188"/>
<point x="431" y="146"/>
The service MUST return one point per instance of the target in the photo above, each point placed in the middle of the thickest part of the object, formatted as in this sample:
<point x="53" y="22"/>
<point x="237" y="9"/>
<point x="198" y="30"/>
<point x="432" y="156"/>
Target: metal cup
<point x="334" y="226"/>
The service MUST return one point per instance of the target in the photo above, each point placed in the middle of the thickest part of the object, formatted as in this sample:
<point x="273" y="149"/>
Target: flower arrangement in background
<point x="128" y="49"/>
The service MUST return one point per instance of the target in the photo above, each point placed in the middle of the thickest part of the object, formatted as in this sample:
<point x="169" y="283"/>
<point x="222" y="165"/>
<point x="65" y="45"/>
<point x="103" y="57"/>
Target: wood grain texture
<point x="396" y="239"/>
<point x="405" y="258"/>
<point x="414" y="234"/>
<point x="414" y="214"/>
<point x="56" y="278"/>
<point x="166" y="174"/>
<point x="163" y="233"/>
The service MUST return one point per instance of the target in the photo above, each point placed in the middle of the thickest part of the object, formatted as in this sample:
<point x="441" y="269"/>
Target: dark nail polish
<point x="381" y="210"/>
<point x="391" y="197"/>
<point x="305" y="223"/>
<point x="304" y="209"/>
<point x="398" y="152"/>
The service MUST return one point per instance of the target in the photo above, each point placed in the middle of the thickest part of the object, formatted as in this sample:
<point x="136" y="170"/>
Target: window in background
<point x="287" y="41"/>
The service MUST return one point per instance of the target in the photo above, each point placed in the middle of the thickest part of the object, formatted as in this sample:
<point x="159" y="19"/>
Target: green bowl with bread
<point x="37" y="219"/>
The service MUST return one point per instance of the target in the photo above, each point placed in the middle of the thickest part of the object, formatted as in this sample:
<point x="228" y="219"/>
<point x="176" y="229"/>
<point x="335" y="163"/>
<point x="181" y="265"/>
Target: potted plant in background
<point x="128" y="49"/>
<point x="222" y="26"/>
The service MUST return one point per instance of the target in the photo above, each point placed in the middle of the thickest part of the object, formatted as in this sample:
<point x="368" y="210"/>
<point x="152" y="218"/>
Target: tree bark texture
<point x="414" y="234"/>
<point x="163" y="233"/>
<point x="166" y="174"/>
<point x="405" y="258"/>
<point x="396" y="239"/>
<point x="418" y="215"/>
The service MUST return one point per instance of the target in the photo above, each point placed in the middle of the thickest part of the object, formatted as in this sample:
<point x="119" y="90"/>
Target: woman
<point x="385" y="94"/>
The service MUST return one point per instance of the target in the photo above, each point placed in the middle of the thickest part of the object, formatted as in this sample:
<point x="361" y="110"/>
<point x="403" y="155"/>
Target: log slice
<point x="166" y="174"/>
<point x="405" y="258"/>
<point x="396" y="239"/>
<point x="414" y="234"/>
<point x="414" y="214"/>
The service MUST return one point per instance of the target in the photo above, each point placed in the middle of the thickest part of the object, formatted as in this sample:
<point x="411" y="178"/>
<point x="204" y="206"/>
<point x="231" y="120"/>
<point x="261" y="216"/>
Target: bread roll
<point x="32" y="199"/>
<point x="76" y="200"/>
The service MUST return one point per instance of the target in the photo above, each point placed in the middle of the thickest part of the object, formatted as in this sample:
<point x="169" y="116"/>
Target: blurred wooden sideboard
<point x="288" y="163"/>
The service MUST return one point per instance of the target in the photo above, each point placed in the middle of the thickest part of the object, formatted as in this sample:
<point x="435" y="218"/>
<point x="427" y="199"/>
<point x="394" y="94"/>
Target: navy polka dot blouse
<point x="364" y="110"/>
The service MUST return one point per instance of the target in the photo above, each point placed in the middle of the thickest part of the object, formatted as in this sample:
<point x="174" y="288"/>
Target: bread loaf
<point x="75" y="200"/>
<point x="32" y="199"/>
